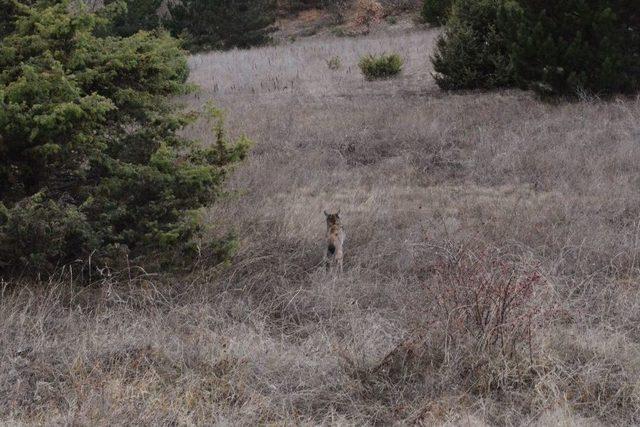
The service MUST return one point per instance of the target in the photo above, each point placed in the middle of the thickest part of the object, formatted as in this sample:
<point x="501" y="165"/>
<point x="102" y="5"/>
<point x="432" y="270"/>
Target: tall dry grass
<point x="453" y="204"/>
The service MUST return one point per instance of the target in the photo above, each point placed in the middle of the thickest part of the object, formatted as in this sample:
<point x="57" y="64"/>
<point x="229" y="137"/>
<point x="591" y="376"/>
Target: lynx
<point x="335" y="239"/>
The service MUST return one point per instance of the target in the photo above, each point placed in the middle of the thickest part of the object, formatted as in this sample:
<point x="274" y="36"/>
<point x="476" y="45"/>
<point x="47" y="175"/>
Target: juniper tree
<point x="555" y="47"/>
<point x="473" y="51"/>
<point x="133" y="16"/>
<point x="564" y="47"/>
<point x="91" y="158"/>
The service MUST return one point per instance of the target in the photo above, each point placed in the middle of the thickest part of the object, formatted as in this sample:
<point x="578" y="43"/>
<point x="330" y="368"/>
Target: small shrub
<point x="479" y="327"/>
<point x="334" y="63"/>
<point x="486" y="312"/>
<point x="339" y="32"/>
<point x="381" y="67"/>
<point x="487" y="301"/>
<point x="436" y="12"/>
<point x="392" y="20"/>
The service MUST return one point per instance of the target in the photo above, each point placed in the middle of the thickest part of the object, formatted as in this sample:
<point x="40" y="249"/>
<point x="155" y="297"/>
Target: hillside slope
<point x="440" y="194"/>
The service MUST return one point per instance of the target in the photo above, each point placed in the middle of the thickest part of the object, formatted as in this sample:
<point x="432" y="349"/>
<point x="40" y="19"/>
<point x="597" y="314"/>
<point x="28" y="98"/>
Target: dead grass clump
<point x="595" y="372"/>
<point x="334" y="63"/>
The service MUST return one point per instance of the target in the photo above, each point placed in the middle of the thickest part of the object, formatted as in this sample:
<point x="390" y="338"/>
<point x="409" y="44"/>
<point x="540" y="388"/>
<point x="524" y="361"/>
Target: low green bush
<point x="381" y="67"/>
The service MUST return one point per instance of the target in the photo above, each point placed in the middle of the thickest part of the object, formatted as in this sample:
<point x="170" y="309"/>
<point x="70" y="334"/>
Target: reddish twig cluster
<point x="483" y="296"/>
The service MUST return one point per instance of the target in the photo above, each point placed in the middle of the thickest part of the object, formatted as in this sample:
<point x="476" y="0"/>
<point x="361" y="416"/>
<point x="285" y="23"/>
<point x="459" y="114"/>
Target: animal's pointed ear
<point x="325" y="213"/>
<point x="338" y="213"/>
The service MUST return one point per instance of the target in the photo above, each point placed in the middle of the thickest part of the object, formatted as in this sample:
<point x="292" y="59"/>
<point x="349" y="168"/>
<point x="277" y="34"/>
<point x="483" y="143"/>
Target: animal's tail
<point x="331" y="249"/>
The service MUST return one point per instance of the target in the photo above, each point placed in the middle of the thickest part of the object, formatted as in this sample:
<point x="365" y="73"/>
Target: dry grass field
<point x="492" y="265"/>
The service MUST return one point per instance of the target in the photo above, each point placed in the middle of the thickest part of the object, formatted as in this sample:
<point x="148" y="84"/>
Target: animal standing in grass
<point x="335" y="239"/>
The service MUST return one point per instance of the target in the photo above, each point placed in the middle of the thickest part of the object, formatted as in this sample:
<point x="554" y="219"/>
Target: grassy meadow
<point x="492" y="263"/>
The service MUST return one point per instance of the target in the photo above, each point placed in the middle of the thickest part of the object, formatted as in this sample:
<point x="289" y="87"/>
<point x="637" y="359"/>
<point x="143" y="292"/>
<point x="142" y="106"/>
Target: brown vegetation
<point x="344" y="17"/>
<point x="490" y="275"/>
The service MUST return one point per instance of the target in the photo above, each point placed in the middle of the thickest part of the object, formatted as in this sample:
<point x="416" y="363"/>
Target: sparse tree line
<point x="570" y="47"/>
<point x="200" y="24"/>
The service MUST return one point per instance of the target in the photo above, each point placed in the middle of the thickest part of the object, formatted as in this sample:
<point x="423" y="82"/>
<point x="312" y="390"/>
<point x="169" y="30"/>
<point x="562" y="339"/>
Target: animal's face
<point x="332" y="219"/>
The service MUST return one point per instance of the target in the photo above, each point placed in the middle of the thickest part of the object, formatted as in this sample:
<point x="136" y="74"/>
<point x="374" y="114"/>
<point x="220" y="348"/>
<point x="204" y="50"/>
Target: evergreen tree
<point x="222" y="24"/>
<point x="436" y="12"/>
<point x="8" y="10"/>
<point x="473" y="52"/>
<point x="555" y="47"/>
<point x="563" y="47"/>
<point x="136" y="15"/>
<point x="91" y="159"/>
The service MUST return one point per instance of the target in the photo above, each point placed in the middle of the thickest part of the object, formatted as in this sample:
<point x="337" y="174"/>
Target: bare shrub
<point x="368" y="12"/>
<point x="484" y="299"/>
